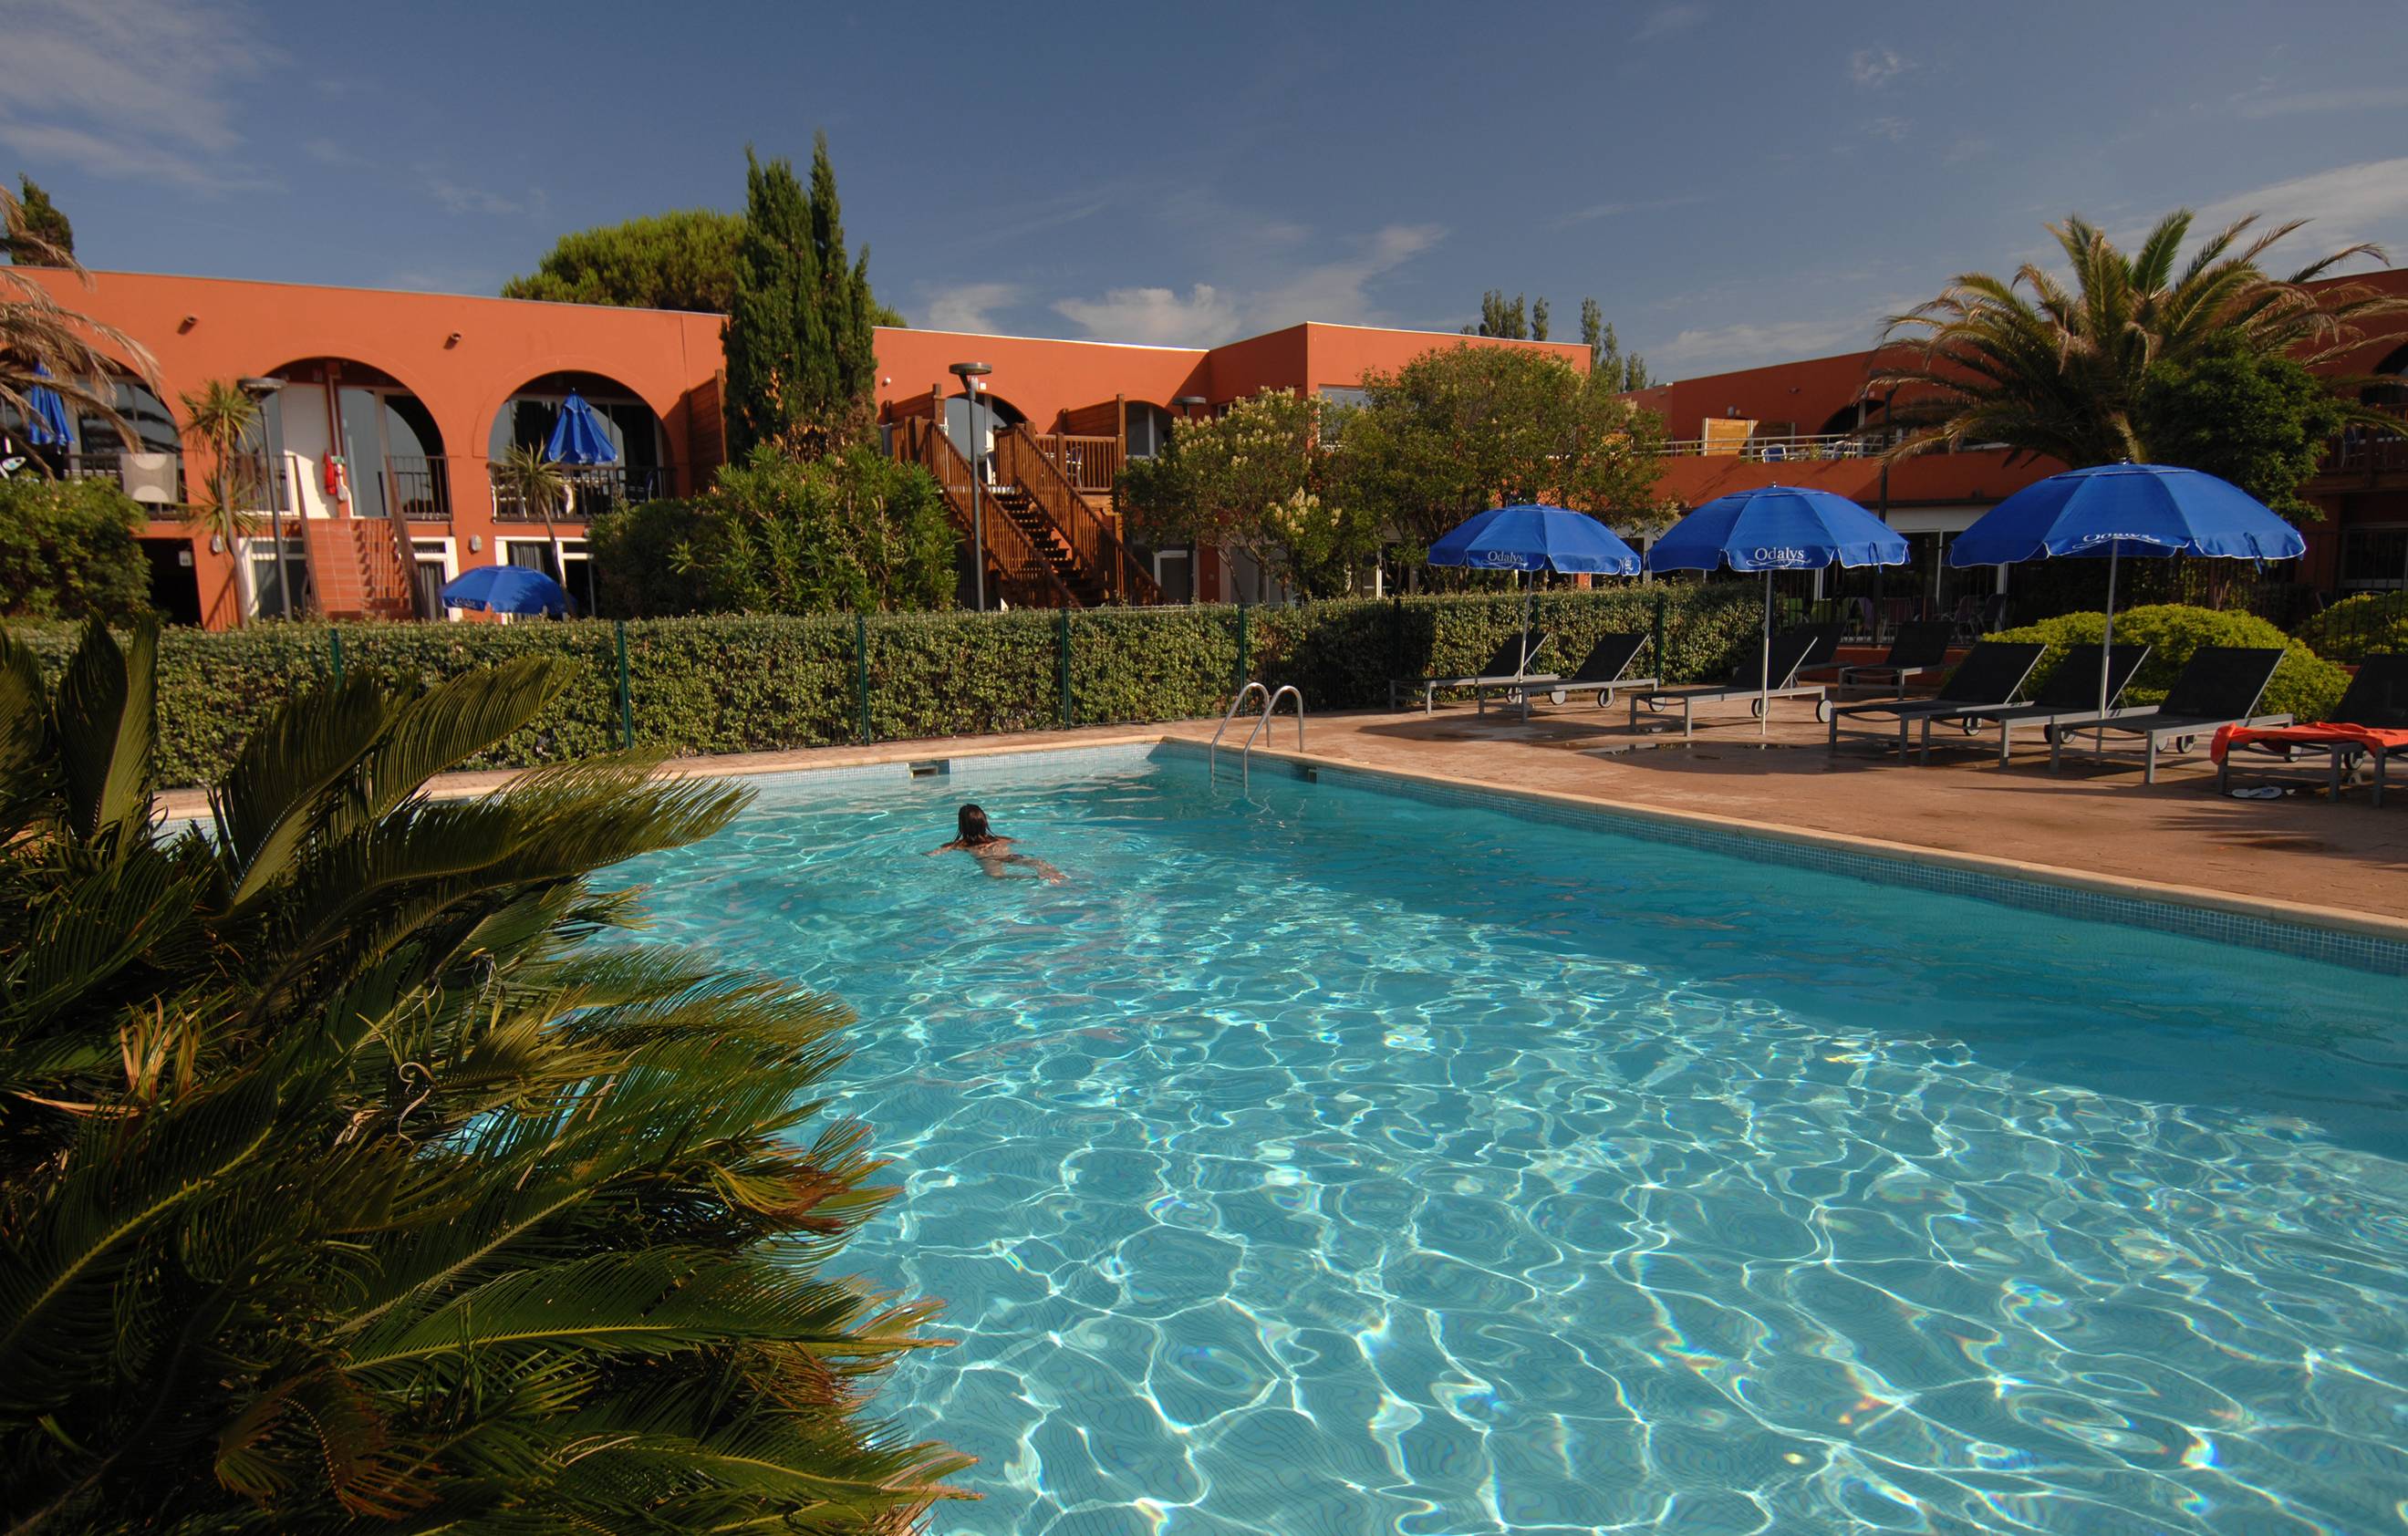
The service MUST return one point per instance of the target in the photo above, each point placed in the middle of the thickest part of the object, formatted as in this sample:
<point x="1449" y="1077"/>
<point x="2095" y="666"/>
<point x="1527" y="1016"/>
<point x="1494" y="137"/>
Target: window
<point x="277" y="593"/>
<point x="2374" y="559"/>
<point x="430" y="568"/>
<point x="1336" y="400"/>
<point x="536" y="554"/>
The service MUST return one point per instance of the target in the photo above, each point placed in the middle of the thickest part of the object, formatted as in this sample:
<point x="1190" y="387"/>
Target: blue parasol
<point x="46" y="422"/>
<point x="506" y="589"/>
<point x="1776" y="527"/>
<point x="1534" y="537"/>
<point x="577" y="436"/>
<point x="2116" y="511"/>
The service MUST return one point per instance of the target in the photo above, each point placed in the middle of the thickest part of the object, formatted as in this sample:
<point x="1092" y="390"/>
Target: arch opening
<point x="349" y="436"/>
<point x="149" y="470"/>
<point x="639" y="470"/>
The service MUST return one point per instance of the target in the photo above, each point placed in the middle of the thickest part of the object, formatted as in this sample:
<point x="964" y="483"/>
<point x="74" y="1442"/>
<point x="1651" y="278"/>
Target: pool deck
<point x="2345" y="865"/>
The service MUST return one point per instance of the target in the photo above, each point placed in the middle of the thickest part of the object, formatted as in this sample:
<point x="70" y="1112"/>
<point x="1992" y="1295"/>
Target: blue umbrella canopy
<point x="1535" y="538"/>
<point x="2126" y="510"/>
<point x="506" y="589"/>
<point x="46" y="422"/>
<point x="2114" y="511"/>
<point x="577" y="436"/>
<point x="1776" y="527"/>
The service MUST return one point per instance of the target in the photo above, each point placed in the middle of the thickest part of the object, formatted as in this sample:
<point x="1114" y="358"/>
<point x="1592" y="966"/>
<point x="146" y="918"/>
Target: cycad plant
<point x="348" y="1184"/>
<point x="2055" y="365"/>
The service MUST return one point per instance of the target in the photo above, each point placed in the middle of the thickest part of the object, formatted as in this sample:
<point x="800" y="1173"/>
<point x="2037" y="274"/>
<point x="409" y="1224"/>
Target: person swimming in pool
<point x="974" y="837"/>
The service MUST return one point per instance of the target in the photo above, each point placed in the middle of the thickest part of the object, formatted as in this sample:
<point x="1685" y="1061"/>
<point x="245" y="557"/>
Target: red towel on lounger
<point x="2230" y="737"/>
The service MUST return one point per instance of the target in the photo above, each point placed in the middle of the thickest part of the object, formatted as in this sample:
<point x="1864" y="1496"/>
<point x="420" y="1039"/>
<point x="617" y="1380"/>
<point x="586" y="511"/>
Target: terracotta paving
<point x="2090" y="820"/>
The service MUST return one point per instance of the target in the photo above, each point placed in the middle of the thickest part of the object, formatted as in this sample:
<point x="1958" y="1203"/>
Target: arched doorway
<point x="150" y="469"/>
<point x="642" y="471"/>
<point x="390" y="450"/>
<point x="994" y="414"/>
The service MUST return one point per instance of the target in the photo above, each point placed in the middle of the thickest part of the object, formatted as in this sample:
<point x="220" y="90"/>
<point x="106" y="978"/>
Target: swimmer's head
<point x="972" y="827"/>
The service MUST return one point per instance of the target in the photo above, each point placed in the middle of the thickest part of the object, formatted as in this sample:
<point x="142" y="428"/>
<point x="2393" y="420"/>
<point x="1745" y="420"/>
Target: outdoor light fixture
<point x="187" y="323"/>
<point x="260" y="389"/>
<point x="970" y="374"/>
<point x="476" y="543"/>
<point x="452" y="340"/>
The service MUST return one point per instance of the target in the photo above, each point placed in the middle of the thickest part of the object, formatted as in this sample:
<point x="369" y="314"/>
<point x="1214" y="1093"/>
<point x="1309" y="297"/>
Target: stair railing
<point x="1021" y="458"/>
<point x="1024" y="574"/>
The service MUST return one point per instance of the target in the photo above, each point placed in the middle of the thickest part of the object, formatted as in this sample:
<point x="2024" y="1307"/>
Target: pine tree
<point x="44" y="222"/>
<point x="1539" y="318"/>
<point x="1593" y="331"/>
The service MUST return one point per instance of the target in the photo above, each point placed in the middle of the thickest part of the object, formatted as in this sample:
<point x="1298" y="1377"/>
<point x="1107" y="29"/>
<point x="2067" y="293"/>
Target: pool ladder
<point x="1262" y="722"/>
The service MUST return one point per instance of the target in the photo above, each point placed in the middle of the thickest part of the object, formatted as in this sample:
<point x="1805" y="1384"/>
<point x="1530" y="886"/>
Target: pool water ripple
<point x="1347" y="1164"/>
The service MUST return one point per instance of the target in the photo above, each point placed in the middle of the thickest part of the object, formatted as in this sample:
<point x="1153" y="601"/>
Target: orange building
<point x="394" y="406"/>
<point x="1813" y="423"/>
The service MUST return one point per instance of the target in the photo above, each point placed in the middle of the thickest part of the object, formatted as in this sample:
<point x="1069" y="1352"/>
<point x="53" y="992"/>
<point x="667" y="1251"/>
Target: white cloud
<point x="1616" y="211"/>
<point x="2367" y="201"/>
<point x="1747" y="345"/>
<point x="1892" y="129"/>
<point x="1874" y="67"/>
<point x="1338" y="291"/>
<point x="143" y="90"/>
<point x="965" y="306"/>
<point x="1666" y="20"/>
<point x="2262" y="103"/>
<point x="1203" y="318"/>
<point x="457" y="198"/>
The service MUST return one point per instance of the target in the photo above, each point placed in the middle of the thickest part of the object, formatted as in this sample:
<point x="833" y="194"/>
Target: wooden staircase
<point x="1016" y="571"/>
<point x="1052" y="546"/>
<point x="359" y="567"/>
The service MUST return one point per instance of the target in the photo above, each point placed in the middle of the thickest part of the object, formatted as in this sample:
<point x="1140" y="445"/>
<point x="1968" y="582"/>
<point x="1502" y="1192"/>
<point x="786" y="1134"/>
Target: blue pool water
<point x="1342" y="1163"/>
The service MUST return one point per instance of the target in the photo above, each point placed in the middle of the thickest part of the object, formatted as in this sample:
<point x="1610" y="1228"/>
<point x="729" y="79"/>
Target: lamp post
<point x="1188" y="406"/>
<point x="262" y="391"/>
<point x="970" y="374"/>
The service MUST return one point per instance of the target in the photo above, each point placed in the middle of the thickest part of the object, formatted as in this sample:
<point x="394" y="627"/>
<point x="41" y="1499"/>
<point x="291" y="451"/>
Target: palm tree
<point x="43" y="343"/>
<point x="524" y="475"/>
<point x="222" y="418"/>
<point x="2055" y="365"/>
<point x="346" y="1182"/>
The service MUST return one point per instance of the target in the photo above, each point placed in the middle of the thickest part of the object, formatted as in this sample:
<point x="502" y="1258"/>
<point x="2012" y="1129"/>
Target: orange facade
<point x="413" y="393"/>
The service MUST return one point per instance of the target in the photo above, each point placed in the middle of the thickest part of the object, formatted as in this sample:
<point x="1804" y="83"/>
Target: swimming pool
<point x="1343" y="1162"/>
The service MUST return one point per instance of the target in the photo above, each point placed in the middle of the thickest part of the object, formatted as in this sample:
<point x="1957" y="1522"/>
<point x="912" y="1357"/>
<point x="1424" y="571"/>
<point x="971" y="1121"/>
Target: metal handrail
<point x="1212" y="749"/>
<point x="1262" y="722"/>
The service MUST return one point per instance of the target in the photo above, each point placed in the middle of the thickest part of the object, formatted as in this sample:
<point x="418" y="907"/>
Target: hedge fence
<point x="737" y="683"/>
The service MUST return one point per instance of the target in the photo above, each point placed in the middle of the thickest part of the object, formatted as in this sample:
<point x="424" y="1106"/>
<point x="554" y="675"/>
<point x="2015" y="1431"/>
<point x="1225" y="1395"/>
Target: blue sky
<point x="1737" y="183"/>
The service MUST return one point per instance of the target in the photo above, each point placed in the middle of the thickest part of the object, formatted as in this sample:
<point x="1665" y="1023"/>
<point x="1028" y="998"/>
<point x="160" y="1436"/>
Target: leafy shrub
<point x="2371" y="623"/>
<point x="2305" y="684"/>
<point x="745" y="683"/>
<point x="70" y="549"/>
<point x="851" y="532"/>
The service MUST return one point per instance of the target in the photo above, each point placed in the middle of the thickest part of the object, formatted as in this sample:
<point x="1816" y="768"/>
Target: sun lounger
<point x="1602" y="671"/>
<point x="2369" y="722"/>
<point x="2220" y="685"/>
<point x="1992" y="673"/>
<point x="1509" y="667"/>
<point x="1915" y="651"/>
<point x="1790" y="649"/>
<point x="2069" y="692"/>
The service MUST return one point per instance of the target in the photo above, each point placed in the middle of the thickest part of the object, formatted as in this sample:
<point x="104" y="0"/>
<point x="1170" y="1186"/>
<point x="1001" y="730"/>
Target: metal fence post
<point x="1658" y="640"/>
<point x="1062" y="657"/>
<point x="1241" y="647"/>
<point x="861" y="670"/>
<point x="334" y="649"/>
<point x="626" y="698"/>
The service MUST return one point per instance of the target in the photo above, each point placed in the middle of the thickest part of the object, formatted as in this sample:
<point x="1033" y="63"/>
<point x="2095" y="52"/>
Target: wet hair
<point x="971" y="826"/>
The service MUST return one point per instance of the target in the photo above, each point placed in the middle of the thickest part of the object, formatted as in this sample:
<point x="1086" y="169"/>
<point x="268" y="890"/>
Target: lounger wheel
<point x="1968" y="726"/>
<point x="2183" y="743"/>
<point x="1755" y="709"/>
<point x="1653" y="706"/>
<point x="1556" y="696"/>
<point x="1604" y="699"/>
<point x="1822" y="712"/>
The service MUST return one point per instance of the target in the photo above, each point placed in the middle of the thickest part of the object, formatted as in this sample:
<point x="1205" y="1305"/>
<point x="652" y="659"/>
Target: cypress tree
<point x="802" y="360"/>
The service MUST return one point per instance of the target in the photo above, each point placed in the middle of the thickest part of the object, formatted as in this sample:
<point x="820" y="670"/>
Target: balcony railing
<point x="1092" y="463"/>
<point x="1837" y="445"/>
<point x="592" y="489"/>
<point x="2362" y="451"/>
<point x="418" y="489"/>
<point x="155" y="479"/>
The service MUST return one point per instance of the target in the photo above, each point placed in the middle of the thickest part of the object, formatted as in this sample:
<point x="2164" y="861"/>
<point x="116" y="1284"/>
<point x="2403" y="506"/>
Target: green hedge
<point x="2371" y="623"/>
<point x="2305" y="684"/>
<point x="750" y="684"/>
